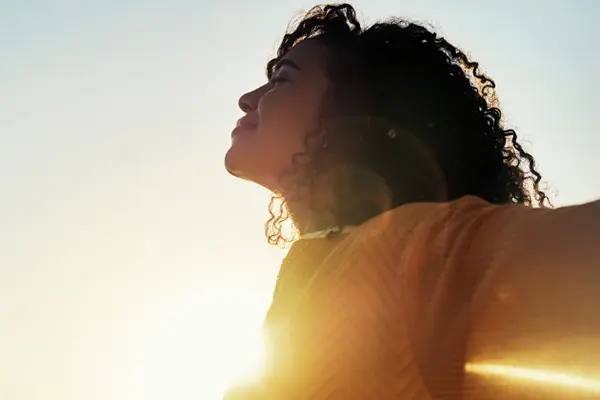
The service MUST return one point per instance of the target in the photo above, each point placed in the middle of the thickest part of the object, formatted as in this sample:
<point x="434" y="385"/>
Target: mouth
<point x="244" y="124"/>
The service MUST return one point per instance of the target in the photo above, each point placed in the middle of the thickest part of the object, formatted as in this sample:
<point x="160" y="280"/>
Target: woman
<point x="419" y="269"/>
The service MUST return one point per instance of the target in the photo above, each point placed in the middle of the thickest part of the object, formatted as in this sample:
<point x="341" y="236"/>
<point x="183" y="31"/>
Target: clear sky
<point x="131" y="265"/>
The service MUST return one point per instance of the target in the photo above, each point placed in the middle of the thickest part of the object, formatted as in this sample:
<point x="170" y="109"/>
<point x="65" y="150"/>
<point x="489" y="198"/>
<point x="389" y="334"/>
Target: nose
<point x="249" y="101"/>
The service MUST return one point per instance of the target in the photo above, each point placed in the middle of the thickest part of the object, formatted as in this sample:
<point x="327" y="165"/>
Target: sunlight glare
<point x="536" y="375"/>
<point x="199" y="346"/>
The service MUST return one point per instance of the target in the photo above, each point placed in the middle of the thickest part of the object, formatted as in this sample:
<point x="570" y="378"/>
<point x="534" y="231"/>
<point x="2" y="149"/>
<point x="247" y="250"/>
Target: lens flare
<point x="536" y="375"/>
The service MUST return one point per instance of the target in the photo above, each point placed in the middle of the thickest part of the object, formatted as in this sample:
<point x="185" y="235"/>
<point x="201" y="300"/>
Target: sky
<point x="131" y="264"/>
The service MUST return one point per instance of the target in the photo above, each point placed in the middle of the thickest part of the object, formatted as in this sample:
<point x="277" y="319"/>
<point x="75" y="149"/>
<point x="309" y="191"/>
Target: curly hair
<point x="414" y="111"/>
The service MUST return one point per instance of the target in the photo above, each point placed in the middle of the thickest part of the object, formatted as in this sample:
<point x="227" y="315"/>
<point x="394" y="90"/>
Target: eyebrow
<point x="286" y="62"/>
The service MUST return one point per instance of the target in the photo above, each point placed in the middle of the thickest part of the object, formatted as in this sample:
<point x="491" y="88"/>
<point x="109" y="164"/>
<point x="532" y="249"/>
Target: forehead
<point x="309" y="55"/>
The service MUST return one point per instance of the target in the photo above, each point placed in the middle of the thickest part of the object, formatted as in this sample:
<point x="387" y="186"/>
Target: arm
<point x="531" y="313"/>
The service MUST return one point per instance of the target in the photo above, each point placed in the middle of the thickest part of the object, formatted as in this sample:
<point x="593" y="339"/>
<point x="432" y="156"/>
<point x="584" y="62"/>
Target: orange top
<point x="460" y="300"/>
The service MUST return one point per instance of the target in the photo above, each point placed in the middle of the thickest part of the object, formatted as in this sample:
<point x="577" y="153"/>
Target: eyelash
<point x="278" y="79"/>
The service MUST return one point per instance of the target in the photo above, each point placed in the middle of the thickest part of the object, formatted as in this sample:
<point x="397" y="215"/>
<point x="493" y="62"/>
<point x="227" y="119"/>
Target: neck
<point x="307" y="220"/>
<point x="310" y="207"/>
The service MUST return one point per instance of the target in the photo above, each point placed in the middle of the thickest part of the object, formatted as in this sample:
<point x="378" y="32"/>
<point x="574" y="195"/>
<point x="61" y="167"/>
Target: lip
<point x="243" y="124"/>
<point x="236" y="131"/>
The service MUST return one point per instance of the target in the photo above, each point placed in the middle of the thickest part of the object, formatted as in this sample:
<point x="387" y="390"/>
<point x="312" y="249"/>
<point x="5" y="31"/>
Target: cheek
<point x="285" y="118"/>
<point x="264" y="154"/>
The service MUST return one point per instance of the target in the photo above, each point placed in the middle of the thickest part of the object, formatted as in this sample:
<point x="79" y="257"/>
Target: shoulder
<point x="414" y="223"/>
<point x="407" y="217"/>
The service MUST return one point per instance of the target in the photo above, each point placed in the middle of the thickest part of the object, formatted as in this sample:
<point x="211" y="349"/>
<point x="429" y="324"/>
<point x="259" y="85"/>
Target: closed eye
<point x="279" y="79"/>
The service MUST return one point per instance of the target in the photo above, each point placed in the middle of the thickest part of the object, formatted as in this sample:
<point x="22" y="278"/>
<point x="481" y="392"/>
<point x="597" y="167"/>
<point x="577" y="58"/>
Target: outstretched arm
<point x="531" y="317"/>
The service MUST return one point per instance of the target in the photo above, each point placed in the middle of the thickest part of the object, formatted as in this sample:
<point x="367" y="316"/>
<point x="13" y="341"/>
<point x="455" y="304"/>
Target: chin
<point x="249" y="167"/>
<point x="232" y="163"/>
<point x="237" y="164"/>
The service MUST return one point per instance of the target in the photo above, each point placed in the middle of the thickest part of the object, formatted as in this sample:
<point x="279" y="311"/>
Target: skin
<point x="278" y="117"/>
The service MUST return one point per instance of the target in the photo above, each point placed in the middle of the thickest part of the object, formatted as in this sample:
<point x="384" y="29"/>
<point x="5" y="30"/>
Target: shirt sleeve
<point x="516" y="302"/>
<point x="462" y="300"/>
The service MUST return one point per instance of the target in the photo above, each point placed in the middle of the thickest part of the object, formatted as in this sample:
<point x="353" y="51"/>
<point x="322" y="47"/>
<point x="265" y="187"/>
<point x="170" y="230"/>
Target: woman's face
<point x="278" y="116"/>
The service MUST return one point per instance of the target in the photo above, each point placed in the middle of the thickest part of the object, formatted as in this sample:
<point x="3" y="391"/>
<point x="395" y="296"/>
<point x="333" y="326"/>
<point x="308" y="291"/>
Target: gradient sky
<point x="131" y="264"/>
